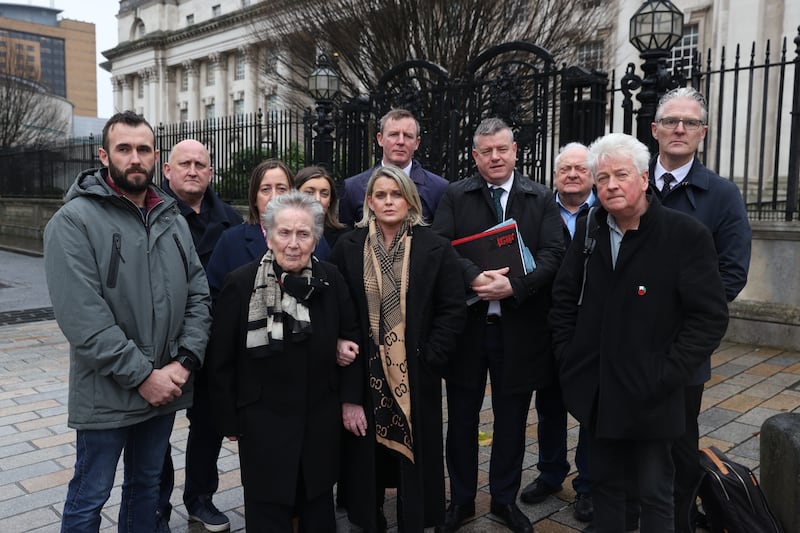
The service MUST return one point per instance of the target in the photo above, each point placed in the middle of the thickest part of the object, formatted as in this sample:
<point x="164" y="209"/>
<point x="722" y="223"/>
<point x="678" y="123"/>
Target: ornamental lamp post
<point x="655" y="28"/>
<point x="323" y="85"/>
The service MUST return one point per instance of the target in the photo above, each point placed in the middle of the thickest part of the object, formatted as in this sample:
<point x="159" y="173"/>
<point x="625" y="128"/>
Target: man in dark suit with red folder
<point x="506" y="333"/>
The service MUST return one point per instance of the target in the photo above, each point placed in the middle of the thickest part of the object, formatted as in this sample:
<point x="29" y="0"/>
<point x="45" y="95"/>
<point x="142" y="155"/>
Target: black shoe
<point x="512" y="516"/>
<point x="537" y="491"/>
<point x="380" y="521"/>
<point x="584" y="509"/>
<point x="455" y="516"/>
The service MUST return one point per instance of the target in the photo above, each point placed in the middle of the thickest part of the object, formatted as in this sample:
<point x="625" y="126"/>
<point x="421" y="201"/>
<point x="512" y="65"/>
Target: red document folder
<point x="494" y="248"/>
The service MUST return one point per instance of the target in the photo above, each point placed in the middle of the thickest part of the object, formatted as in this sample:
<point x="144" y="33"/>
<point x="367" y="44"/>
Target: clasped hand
<point x="492" y="284"/>
<point x="163" y="385"/>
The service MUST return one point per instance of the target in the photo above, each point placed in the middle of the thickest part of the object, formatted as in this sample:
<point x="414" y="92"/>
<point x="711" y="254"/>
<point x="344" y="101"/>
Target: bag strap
<point x="589" y="243"/>
<point x="712" y="455"/>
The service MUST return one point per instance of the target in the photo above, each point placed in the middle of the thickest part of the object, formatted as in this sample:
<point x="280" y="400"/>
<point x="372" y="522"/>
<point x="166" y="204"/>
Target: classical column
<point x="117" y="83"/>
<point x="127" y="94"/>
<point x="251" y="56"/>
<point x="193" y="103"/>
<point x="152" y="96"/>
<point x="219" y="62"/>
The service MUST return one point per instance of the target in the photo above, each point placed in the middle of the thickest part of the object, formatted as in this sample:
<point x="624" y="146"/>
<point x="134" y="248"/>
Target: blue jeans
<point x="98" y="452"/>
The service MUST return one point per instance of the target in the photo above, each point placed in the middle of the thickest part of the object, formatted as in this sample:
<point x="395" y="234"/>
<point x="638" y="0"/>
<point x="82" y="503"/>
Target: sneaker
<point x="162" y="523"/>
<point x="212" y="518"/>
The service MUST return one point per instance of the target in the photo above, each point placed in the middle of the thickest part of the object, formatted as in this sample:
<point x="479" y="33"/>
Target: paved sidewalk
<point x="749" y="385"/>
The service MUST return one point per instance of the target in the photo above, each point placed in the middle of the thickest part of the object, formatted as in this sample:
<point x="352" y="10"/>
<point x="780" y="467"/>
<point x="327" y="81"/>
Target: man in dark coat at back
<point x="632" y="322"/>
<point x="399" y="138"/>
<point x="575" y="196"/>
<point x="188" y="176"/>
<point x="506" y="334"/>
<point x="685" y="184"/>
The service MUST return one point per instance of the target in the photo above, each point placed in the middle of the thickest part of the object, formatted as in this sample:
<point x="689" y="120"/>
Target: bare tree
<point x="368" y="37"/>
<point x="29" y="115"/>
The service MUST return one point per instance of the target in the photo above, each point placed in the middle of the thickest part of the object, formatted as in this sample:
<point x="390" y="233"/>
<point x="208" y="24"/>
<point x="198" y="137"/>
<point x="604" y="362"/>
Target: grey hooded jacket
<point x="127" y="292"/>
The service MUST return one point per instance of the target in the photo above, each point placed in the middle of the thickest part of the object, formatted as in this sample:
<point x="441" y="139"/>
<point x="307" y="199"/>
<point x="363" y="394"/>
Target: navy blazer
<point x="429" y="186"/>
<point x="717" y="203"/>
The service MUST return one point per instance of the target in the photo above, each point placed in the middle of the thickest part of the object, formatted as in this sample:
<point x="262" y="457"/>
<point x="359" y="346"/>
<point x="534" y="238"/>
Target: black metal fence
<point x="753" y="138"/>
<point x="754" y="123"/>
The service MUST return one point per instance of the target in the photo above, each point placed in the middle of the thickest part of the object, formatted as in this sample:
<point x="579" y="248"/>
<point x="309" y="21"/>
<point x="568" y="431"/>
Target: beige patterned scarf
<point x="386" y="284"/>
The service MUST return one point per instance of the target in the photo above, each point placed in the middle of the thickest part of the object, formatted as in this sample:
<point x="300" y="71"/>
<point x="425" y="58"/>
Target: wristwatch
<point x="187" y="361"/>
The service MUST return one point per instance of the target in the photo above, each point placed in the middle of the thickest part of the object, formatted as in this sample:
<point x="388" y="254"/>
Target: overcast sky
<point x="103" y="13"/>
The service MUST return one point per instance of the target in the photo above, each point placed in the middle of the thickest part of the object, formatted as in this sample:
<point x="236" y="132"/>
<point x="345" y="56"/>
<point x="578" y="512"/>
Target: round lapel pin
<point x="642" y="290"/>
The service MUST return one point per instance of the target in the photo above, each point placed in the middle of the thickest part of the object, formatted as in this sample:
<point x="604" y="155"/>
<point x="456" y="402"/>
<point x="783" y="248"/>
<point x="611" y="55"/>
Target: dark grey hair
<point x="490" y="126"/>
<point x="619" y="145"/>
<point x="683" y="92"/>
<point x="295" y="200"/>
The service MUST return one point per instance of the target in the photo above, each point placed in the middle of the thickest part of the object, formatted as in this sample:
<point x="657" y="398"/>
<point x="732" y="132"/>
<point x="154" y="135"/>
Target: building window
<point x="590" y="55"/>
<point x="245" y="3"/>
<point x="184" y="115"/>
<point x="209" y="74"/>
<point x="239" y="71"/>
<point x="140" y="87"/>
<point x="189" y="20"/>
<point x="216" y="10"/>
<point x="238" y="106"/>
<point x="184" y="79"/>
<point x="210" y="111"/>
<point x="684" y="54"/>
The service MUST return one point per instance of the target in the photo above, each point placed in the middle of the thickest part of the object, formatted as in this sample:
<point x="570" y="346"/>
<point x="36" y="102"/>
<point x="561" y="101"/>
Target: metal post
<point x="655" y="82"/>
<point x="794" y="138"/>
<point x="323" y="142"/>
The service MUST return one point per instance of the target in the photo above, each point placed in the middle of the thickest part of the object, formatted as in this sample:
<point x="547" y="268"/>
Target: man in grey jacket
<point x="131" y="297"/>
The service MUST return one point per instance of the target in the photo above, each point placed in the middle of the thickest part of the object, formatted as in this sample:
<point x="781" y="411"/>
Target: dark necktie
<point x="497" y="192"/>
<point x="668" y="179"/>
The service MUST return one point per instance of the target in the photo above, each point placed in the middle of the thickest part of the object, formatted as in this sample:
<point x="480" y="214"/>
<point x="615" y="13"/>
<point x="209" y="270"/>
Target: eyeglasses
<point x="691" y="124"/>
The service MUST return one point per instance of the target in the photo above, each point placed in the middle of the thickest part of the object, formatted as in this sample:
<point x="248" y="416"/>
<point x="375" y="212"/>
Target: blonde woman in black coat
<point x="411" y="309"/>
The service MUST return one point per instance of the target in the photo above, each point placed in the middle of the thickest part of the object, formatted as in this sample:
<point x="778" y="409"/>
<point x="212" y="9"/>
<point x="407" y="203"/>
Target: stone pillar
<point x="219" y="62"/>
<point x="127" y="94"/>
<point x="117" y="84"/>
<point x="193" y="104"/>
<point x="251" y="55"/>
<point x="780" y="467"/>
<point x="152" y="96"/>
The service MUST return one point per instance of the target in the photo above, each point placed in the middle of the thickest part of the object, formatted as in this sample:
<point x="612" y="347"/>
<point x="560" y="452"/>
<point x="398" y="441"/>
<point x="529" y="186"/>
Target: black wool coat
<point x="644" y="327"/>
<point x="284" y="407"/>
<point x="467" y="208"/>
<point x="434" y="319"/>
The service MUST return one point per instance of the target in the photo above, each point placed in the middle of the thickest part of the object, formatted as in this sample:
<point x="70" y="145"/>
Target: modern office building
<point x="60" y="52"/>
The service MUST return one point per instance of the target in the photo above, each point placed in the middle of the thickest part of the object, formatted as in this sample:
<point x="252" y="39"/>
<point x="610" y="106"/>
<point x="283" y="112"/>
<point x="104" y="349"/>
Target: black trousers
<point x="685" y="455"/>
<point x="202" y="451"/>
<point x="619" y="464"/>
<point x="508" y="445"/>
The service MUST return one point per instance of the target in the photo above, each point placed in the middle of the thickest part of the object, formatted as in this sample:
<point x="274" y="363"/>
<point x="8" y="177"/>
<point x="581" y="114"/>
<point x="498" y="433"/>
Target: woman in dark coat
<point x="400" y="276"/>
<point x="317" y="182"/>
<point x="273" y="372"/>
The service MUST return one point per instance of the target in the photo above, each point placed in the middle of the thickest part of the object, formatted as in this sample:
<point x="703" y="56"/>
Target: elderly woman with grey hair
<point x="273" y="371"/>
